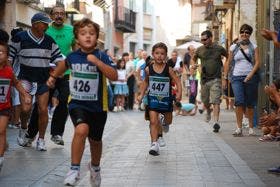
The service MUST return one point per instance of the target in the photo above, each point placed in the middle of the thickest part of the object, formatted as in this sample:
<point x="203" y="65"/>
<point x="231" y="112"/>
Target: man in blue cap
<point x="35" y="51"/>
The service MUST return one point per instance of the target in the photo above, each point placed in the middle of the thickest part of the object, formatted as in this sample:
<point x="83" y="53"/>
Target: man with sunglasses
<point x="210" y="55"/>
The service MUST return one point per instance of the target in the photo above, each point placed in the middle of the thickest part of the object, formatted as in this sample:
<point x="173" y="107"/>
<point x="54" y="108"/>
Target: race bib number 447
<point x="159" y="86"/>
<point x="84" y="86"/>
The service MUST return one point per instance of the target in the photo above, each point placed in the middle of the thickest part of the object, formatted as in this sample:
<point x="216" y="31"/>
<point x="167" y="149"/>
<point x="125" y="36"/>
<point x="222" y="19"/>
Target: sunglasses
<point x="246" y="32"/>
<point x="204" y="39"/>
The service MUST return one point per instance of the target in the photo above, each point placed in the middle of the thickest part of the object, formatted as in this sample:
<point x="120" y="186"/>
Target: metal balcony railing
<point x="125" y="19"/>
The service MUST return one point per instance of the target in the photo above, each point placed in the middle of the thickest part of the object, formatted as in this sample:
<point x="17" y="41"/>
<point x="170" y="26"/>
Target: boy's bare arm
<point x="59" y="70"/>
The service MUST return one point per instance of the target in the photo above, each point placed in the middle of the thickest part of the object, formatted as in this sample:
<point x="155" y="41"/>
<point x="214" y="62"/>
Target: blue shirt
<point x="88" y="88"/>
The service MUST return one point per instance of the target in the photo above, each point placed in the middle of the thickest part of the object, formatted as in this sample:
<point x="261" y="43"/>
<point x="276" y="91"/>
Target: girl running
<point x="158" y="81"/>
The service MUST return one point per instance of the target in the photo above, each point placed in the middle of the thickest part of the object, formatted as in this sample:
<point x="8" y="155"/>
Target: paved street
<point x="194" y="156"/>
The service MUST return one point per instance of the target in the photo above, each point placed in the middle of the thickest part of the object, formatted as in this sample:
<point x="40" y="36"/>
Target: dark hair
<point x="160" y="45"/>
<point x="246" y="27"/>
<point x="178" y="104"/>
<point x="207" y="33"/>
<point x="4" y="36"/>
<point x="5" y="44"/>
<point x="125" y="54"/>
<point x="85" y="22"/>
<point x="14" y="31"/>
<point x="56" y="6"/>
<point x="119" y="64"/>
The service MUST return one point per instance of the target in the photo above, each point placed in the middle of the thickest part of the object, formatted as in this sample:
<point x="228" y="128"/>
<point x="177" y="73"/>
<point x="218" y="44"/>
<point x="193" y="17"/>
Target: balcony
<point x="211" y="9"/>
<point x="125" y="19"/>
<point x="29" y="1"/>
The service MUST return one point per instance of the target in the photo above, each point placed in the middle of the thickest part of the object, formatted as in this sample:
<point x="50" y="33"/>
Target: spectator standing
<point x="210" y="55"/>
<point x="241" y="68"/>
<point x="130" y="71"/>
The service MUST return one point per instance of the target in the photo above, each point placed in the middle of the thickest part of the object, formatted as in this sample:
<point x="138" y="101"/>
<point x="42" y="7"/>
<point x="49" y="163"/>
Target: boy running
<point x="160" y="100"/>
<point x="89" y="101"/>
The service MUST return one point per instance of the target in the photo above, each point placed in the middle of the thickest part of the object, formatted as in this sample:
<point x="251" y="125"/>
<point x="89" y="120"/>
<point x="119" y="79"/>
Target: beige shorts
<point x="211" y="92"/>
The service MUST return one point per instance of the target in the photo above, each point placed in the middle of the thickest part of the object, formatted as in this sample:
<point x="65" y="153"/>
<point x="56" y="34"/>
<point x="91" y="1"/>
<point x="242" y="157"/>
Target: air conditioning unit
<point x="29" y="1"/>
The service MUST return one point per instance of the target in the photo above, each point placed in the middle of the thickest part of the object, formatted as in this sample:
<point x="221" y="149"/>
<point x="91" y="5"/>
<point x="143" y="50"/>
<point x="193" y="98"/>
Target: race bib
<point x="159" y="86"/>
<point x="84" y="86"/>
<point x="4" y="88"/>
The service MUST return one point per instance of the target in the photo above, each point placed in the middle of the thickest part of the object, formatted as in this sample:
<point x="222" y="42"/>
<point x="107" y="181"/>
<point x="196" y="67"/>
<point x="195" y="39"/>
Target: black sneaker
<point x="216" y="127"/>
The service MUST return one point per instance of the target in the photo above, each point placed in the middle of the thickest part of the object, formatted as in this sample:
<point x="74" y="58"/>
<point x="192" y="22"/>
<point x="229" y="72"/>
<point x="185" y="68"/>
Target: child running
<point x="7" y="79"/>
<point x="89" y="99"/>
<point x="160" y="100"/>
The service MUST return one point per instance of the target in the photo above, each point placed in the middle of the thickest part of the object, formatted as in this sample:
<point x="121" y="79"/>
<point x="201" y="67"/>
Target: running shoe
<point x="238" y="132"/>
<point x="275" y="170"/>
<point x="72" y="178"/>
<point x="252" y="132"/>
<point x="216" y="128"/>
<point x="23" y="140"/>
<point x="57" y="139"/>
<point x="95" y="177"/>
<point x="161" y="142"/>
<point x="41" y="145"/>
<point x="154" y="150"/>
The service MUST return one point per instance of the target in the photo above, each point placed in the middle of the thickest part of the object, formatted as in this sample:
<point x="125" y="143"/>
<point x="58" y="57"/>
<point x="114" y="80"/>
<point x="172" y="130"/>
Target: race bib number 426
<point x="84" y="86"/>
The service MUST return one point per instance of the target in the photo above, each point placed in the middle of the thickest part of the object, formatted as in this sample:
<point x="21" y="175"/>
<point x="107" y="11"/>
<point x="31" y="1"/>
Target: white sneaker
<point x="72" y="177"/>
<point x="95" y="177"/>
<point x="154" y="150"/>
<point x="22" y="140"/>
<point x="252" y="132"/>
<point x="237" y="132"/>
<point x="161" y="142"/>
<point x="57" y="139"/>
<point x="41" y="145"/>
<point x="1" y="162"/>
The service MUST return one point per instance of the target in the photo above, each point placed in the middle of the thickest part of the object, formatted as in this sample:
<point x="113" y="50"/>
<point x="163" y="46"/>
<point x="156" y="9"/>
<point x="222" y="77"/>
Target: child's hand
<point x="92" y="58"/>
<point x="51" y="82"/>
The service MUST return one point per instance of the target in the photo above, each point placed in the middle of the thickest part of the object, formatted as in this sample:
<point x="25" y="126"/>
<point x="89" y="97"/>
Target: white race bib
<point x="4" y="88"/>
<point x="84" y="85"/>
<point x="159" y="86"/>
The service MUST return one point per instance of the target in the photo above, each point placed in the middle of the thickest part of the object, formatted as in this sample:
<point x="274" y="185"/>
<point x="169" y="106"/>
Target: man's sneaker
<point x="22" y="140"/>
<point x="154" y="150"/>
<point x="57" y="139"/>
<point x="72" y="178"/>
<point x="252" y="132"/>
<point x="161" y="142"/>
<point x="1" y="162"/>
<point x="238" y="132"/>
<point x="41" y="145"/>
<point x="216" y="127"/>
<point x="165" y="127"/>
<point x="95" y="177"/>
<point x="275" y="170"/>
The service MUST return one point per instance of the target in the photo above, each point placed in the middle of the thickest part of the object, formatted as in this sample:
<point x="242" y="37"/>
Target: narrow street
<point x="193" y="156"/>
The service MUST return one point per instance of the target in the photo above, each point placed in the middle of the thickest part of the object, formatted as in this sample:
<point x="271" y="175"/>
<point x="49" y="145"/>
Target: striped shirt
<point x="34" y="55"/>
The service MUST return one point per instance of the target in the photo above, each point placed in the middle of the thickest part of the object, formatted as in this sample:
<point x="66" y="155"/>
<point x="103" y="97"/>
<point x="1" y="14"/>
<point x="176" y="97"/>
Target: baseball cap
<point x="41" y="17"/>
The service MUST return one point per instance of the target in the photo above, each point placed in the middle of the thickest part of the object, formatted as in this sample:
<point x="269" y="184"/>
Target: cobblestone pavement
<point x="193" y="156"/>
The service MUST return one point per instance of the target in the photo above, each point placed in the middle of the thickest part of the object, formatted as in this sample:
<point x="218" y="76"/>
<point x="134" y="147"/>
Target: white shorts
<point x="15" y="97"/>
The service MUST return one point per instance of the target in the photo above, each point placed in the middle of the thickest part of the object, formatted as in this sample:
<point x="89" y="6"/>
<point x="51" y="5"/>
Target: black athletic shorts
<point x="95" y="120"/>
